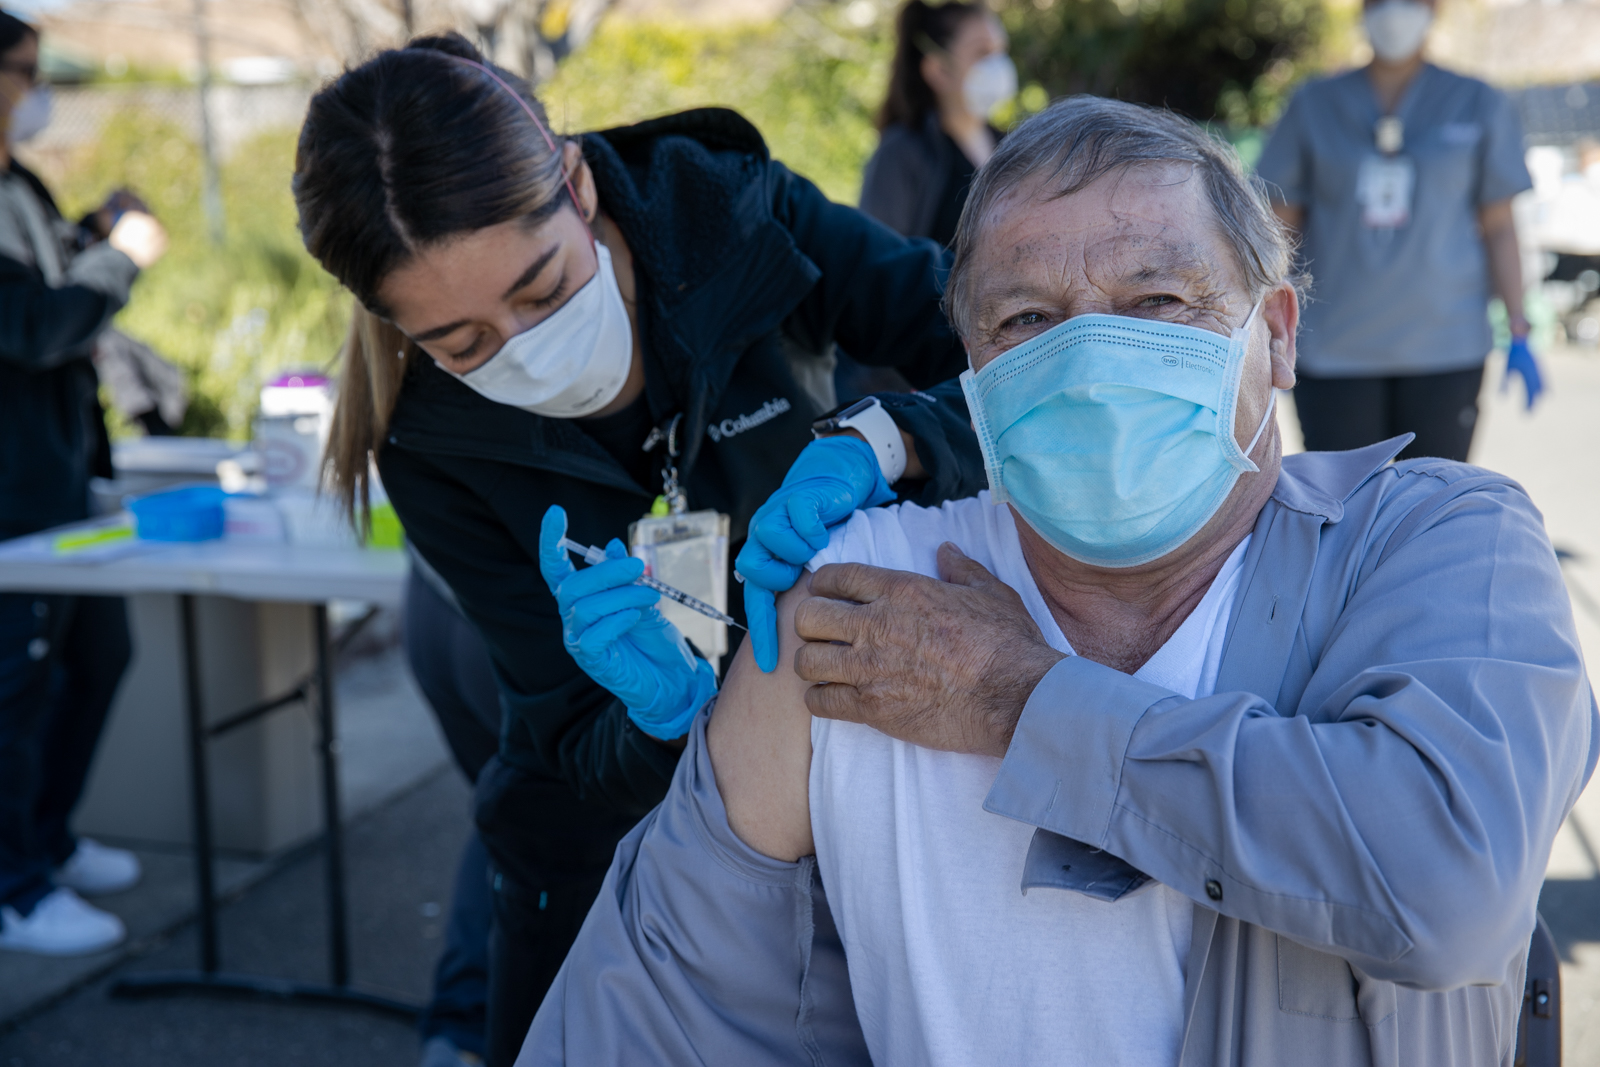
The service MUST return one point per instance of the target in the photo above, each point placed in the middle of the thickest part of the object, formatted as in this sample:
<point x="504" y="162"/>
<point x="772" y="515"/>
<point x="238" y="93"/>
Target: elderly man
<point x="1193" y="756"/>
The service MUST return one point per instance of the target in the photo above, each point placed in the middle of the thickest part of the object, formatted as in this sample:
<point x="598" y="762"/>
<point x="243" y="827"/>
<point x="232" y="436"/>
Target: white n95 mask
<point x="991" y="82"/>
<point x="570" y="365"/>
<point x="1397" y="28"/>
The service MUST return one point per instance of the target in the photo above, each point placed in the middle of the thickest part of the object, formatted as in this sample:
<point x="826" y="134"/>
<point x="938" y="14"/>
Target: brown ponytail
<point x="374" y="362"/>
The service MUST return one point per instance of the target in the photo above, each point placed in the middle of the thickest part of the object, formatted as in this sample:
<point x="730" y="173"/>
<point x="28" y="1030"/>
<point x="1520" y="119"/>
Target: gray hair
<point x="1081" y="138"/>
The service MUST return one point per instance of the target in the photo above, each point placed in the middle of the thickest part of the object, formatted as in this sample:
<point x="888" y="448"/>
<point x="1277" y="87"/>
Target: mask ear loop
<point x="543" y="132"/>
<point x="1272" y="396"/>
<point x="1272" y="405"/>
<point x="1240" y="459"/>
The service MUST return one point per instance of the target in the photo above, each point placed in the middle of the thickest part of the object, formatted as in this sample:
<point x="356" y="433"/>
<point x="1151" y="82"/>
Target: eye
<point x="1027" y="318"/>
<point x="466" y="353"/>
<point x="1158" y="300"/>
<point x="555" y="297"/>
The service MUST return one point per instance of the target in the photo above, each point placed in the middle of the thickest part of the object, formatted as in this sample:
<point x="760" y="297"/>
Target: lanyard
<point x="672" y="493"/>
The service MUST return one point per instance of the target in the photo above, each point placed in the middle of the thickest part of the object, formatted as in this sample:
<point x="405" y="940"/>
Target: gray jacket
<point x="904" y="178"/>
<point x="1362" y="812"/>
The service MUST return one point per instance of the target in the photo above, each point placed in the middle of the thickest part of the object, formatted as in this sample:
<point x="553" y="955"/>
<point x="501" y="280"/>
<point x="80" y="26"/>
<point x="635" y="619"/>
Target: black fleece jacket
<point x="746" y="276"/>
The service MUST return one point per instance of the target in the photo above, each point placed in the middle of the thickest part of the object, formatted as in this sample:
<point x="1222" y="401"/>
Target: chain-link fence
<point x="238" y="112"/>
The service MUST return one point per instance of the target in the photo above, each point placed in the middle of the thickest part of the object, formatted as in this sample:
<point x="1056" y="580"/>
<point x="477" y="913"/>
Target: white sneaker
<point x="60" y="925"/>
<point x="94" y="869"/>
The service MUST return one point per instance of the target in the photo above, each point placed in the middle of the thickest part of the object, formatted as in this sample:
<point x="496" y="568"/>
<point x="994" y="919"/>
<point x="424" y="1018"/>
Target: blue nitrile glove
<point x="1519" y="360"/>
<point x="830" y="479"/>
<point x="620" y="639"/>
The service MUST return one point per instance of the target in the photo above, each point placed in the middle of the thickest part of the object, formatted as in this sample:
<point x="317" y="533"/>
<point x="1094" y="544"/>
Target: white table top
<point x="239" y="569"/>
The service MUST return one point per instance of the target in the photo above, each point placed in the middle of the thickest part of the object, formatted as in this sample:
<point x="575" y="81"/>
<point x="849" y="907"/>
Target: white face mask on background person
<point x="570" y="365"/>
<point x="1397" y="28"/>
<point x="991" y="82"/>
<point x="30" y="116"/>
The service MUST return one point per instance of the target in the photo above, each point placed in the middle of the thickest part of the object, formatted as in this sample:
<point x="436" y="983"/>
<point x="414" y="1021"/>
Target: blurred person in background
<point x="570" y="330"/>
<point x="1398" y="177"/>
<point x="950" y="70"/>
<point x="145" y="389"/>
<point x="61" y="657"/>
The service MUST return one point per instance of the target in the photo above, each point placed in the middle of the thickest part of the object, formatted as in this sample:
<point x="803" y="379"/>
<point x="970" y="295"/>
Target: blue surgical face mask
<point x="1113" y="436"/>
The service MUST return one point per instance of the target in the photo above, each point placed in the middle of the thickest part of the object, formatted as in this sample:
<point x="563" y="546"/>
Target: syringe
<point x="592" y="555"/>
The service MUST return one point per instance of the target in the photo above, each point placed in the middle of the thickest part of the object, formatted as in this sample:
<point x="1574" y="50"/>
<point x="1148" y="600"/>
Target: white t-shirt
<point x="951" y="964"/>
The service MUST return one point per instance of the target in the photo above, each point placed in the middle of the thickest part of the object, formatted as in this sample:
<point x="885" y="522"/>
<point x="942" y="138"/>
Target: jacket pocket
<point x="1315" y="983"/>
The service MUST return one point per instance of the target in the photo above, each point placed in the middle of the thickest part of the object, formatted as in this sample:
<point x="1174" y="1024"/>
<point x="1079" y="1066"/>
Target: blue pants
<point x="452" y="668"/>
<point x="61" y="658"/>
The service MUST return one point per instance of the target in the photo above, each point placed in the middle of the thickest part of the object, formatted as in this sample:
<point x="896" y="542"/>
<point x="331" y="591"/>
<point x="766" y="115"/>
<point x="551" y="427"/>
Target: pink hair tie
<point x="540" y="126"/>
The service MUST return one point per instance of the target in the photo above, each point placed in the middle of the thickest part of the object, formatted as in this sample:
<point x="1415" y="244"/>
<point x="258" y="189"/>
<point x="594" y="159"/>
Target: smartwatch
<point x="872" y="421"/>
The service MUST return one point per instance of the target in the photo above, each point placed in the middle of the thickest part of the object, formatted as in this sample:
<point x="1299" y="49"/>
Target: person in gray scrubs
<point x="1399" y="178"/>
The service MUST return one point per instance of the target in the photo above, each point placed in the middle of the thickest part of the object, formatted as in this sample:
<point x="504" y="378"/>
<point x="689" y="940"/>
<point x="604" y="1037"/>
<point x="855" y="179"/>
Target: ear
<point x="574" y="164"/>
<point x="1280" y="309"/>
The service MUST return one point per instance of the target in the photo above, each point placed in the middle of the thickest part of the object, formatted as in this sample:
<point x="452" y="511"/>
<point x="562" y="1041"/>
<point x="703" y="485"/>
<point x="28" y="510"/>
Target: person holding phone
<point x="61" y="657"/>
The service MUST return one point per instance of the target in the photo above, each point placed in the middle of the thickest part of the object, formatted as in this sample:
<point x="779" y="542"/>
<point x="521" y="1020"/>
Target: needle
<point x="592" y="555"/>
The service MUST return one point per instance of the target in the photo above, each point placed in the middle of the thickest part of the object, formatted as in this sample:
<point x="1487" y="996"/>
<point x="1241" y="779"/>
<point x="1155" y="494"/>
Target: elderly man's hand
<point x="943" y="664"/>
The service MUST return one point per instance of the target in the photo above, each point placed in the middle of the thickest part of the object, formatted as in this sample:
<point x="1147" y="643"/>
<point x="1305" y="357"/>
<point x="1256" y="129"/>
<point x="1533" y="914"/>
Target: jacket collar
<point x="678" y="189"/>
<point x="692" y="193"/>
<point x="1318" y="483"/>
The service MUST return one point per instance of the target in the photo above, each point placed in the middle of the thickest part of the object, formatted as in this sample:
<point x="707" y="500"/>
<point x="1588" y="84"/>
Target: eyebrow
<point x="532" y="272"/>
<point x="1162" y="261"/>
<point x="523" y="279"/>
<point x="1169" y="261"/>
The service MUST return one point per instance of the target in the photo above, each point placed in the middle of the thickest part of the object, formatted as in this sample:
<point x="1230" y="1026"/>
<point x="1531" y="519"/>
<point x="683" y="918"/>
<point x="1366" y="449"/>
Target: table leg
<point x="199" y="788"/>
<point x="333" y="830"/>
<point x="209" y="980"/>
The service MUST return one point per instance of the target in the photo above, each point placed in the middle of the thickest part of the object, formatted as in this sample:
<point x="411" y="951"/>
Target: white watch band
<point x="878" y="427"/>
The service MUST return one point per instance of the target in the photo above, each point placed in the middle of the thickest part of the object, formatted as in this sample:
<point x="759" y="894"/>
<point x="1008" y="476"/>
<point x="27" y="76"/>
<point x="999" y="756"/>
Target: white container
<point x="292" y="430"/>
<point x="290" y="447"/>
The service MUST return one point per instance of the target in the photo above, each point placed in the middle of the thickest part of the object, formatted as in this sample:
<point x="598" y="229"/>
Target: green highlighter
<point x="78" y="540"/>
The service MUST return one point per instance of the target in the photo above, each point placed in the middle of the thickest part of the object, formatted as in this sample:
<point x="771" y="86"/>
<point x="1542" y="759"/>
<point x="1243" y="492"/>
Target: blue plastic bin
<point x="193" y="513"/>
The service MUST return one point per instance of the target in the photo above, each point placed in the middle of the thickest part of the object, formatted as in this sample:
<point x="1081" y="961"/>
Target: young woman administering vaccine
<point x="575" y="333"/>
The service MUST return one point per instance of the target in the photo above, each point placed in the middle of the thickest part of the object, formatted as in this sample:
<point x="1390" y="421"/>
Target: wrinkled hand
<point x="943" y="664"/>
<point x="1519" y="360"/>
<point x="617" y="635"/>
<point x="830" y="479"/>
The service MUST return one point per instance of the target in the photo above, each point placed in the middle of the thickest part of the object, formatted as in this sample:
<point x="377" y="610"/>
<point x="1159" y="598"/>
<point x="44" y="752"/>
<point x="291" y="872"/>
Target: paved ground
<point x="408" y="812"/>
<point x="401" y="860"/>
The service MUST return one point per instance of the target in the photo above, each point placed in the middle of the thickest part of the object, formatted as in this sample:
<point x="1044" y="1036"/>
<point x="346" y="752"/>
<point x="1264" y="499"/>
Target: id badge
<point x="1383" y="189"/>
<point x="689" y="552"/>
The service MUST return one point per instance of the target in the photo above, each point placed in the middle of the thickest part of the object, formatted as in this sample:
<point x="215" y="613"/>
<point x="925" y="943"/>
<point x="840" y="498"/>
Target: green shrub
<point x="808" y="81"/>
<point x="1227" y="60"/>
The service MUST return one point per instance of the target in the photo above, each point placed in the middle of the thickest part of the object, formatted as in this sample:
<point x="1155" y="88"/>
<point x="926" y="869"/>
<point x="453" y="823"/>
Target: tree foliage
<point x="809" y="81"/>
<point x="1228" y="60"/>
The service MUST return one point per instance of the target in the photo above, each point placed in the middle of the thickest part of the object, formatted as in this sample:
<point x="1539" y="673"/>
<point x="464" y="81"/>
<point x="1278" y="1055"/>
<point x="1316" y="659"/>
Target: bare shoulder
<point x="760" y="742"/>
